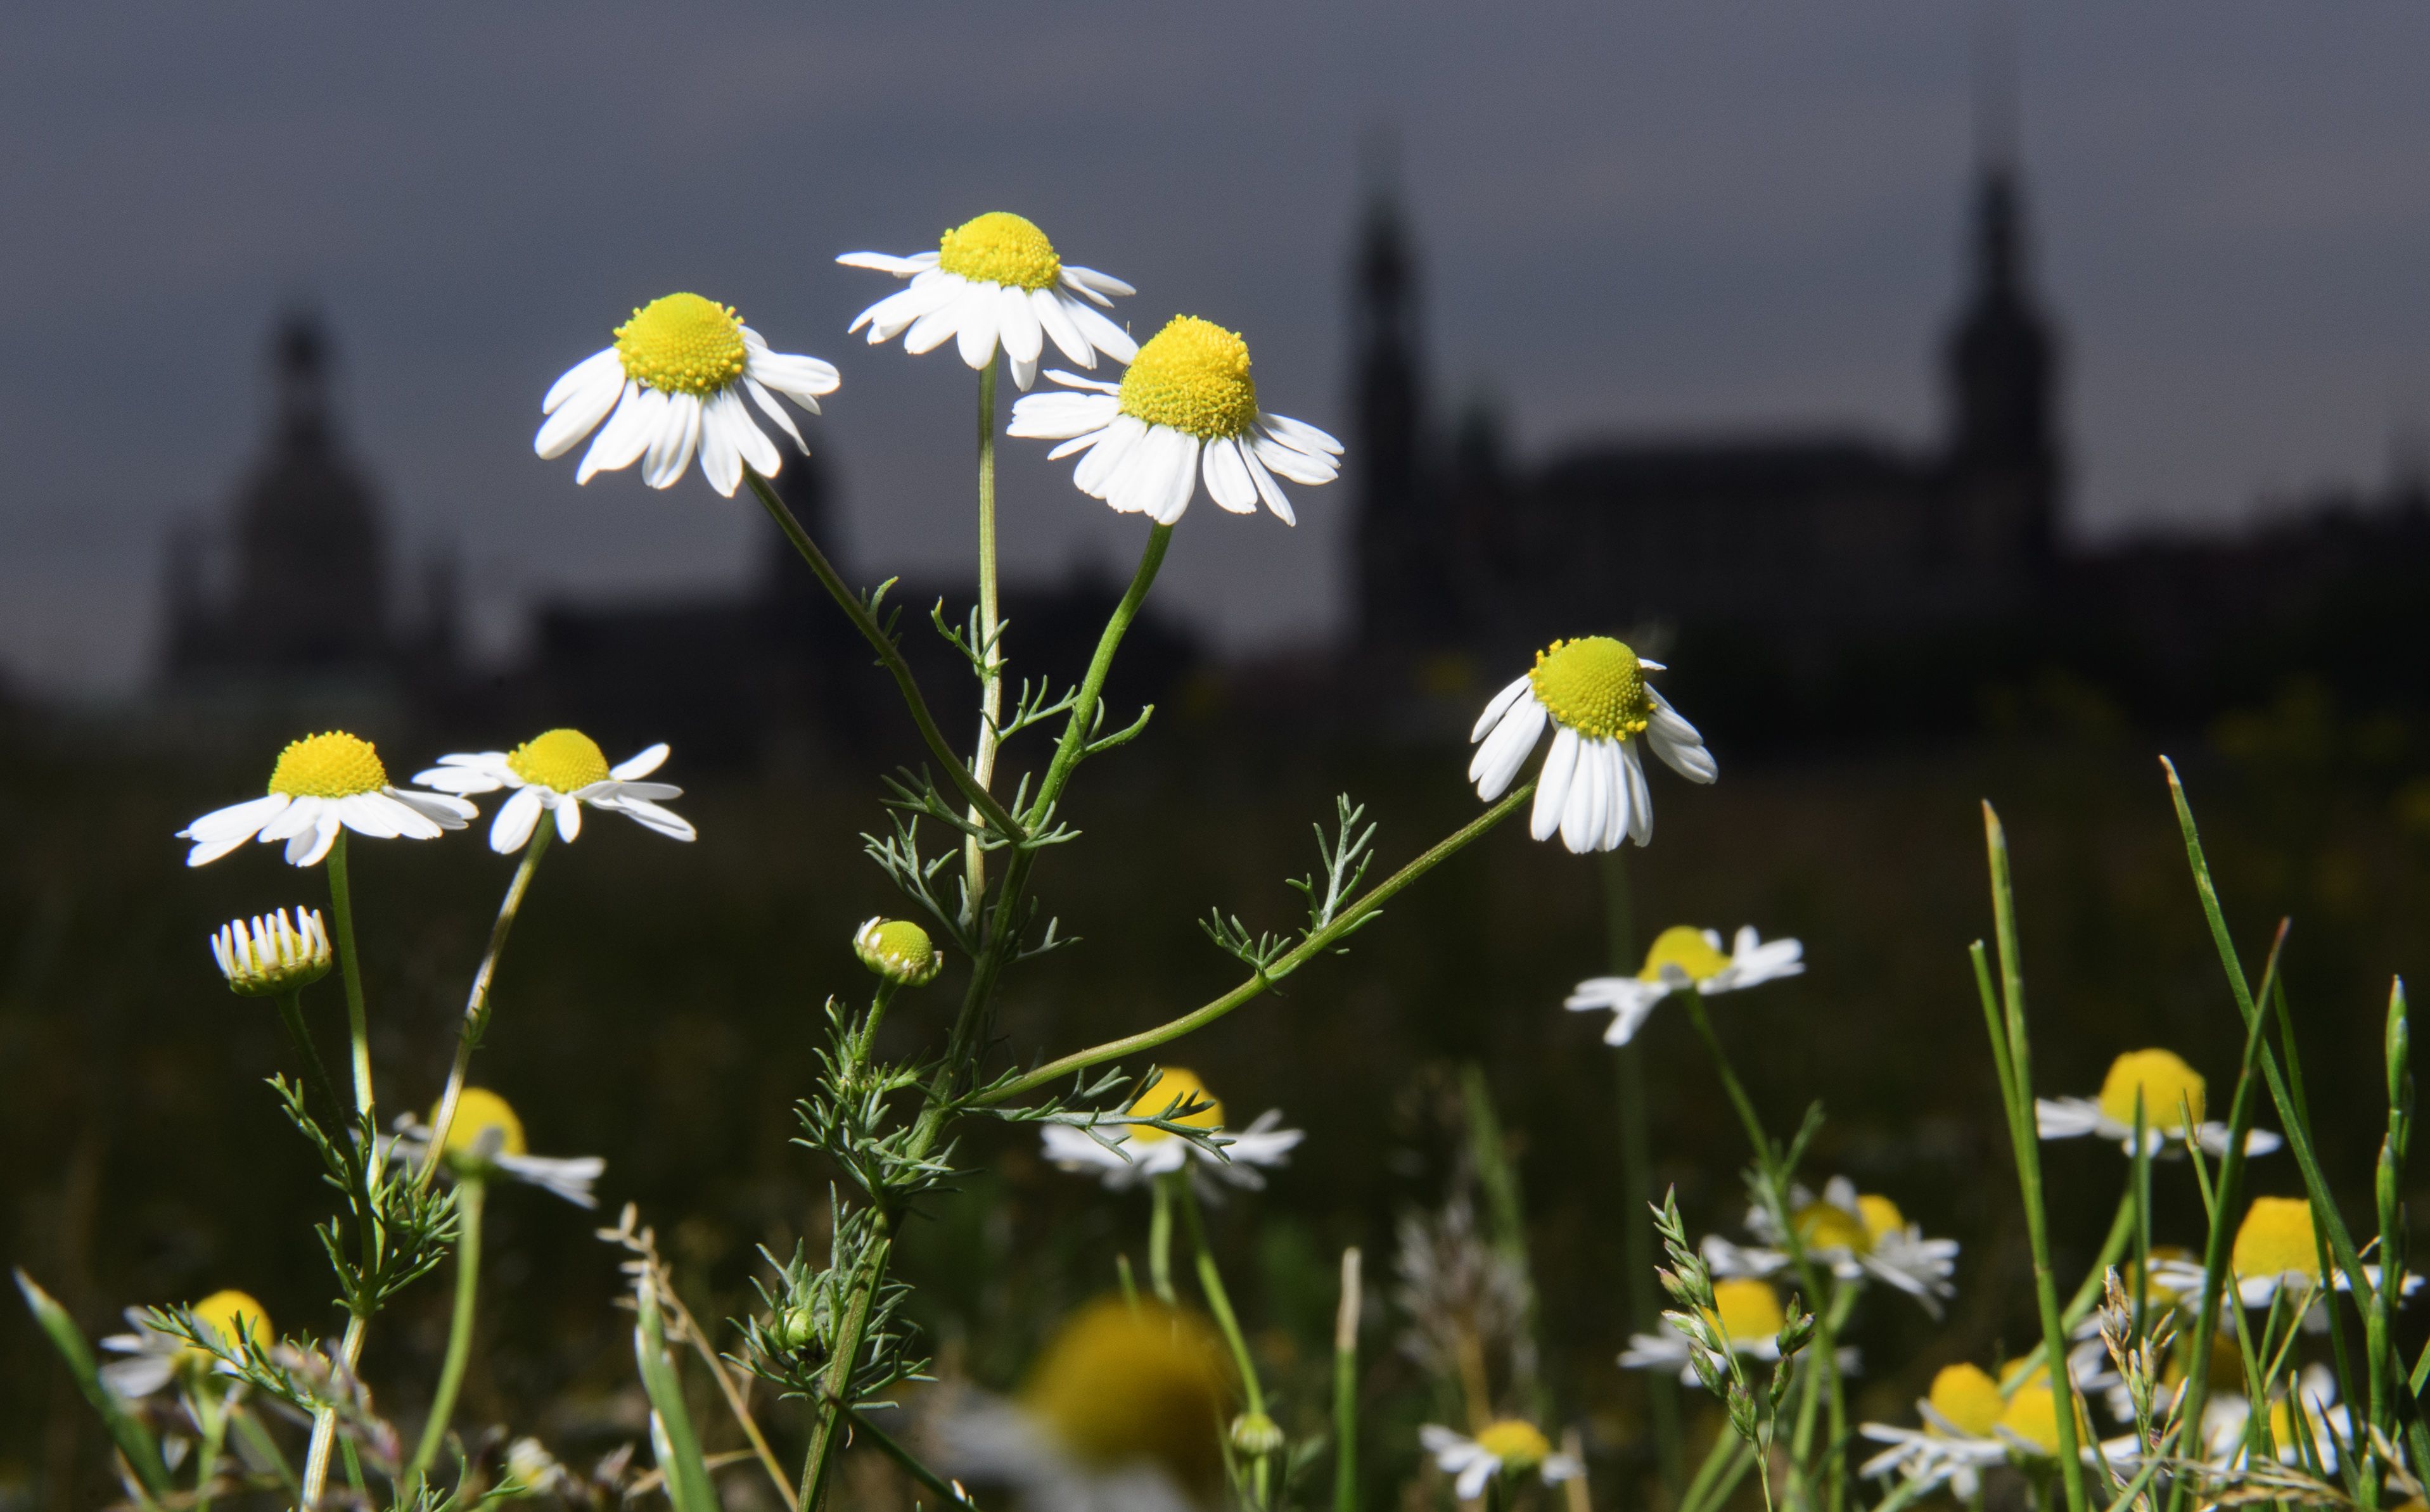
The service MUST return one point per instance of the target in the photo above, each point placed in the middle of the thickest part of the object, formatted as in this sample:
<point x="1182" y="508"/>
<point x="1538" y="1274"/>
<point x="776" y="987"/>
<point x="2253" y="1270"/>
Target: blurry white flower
<point x="558" y="773"/>
<point x="1511" y="1449"/>
<point x="1128" y="1155"/>
<point x="1864" y="1236"/>
<point x="486" y="1137"/>
<point x="2168" y="1086"/>
<point x="1187" y="408"/>
<point x="2326" y="1422"/>
<point x="1959" y="1437"/>
<point x="2276" y="1250"/>
<point x="323" y="783"/>
<point x="1751" y="1316"/>
<point x="1685" y="957"/>
<point x="1592" y="785"/>
<point x="268" y="954"/>
<point x="672" y="386"/>
<point x="996" y="277"/>
<point x="154" y="1357"/>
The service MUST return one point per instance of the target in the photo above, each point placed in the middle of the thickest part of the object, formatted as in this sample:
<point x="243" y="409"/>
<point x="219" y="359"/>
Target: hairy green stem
<point x="470" y="1195"/>
<point x="990" y="652"/>
<point x="477" y="1001"/>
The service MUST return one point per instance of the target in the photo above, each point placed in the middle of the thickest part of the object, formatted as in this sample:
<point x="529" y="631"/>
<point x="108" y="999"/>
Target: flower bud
<point x="899" y="951"/>
<point x="267" y="954"/>
<point x="1254" y="1433"/>
<point x="793" y="1329"/>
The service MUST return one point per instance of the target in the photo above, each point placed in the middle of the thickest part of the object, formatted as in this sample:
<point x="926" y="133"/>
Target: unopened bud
<point x="899" y="951"/>
<point x="1254" y="1433"/>
<point x="267" y="954"/>
<point x="792" y="1328"/>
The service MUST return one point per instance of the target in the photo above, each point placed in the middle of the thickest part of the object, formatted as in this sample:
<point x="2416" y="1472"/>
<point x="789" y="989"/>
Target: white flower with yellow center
<point x="1131" y="1155"/>
<point x="1511" y="1450"/>
<point x="2228" y="1415"/>
<point x="156" y="1357"/>
<point x="1747" y="1310"/>
<point x="267" y="954"/>
<point x="1185" y="408"/>
<point x="672" y="387"/>
<point x="1857" y="1236"/>
<point x="323" y="783"/>
<point x="1961" y="1435"/>
<point x="1683" y="958"/>
<point x="485" y="1139"/>
<point x="558" y="773"/>
<point x="995" y="279"/>
<point x="1592" y="786"/>
<point x="2168" y="1087"/>
<point x="2277" y="1249"/>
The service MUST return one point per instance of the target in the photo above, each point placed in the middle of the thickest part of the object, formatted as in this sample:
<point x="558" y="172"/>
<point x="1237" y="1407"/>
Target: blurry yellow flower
<point x="155" y="1358"/>
<point x="2167" y="1085"/>
<point x="1119" y="1384"/>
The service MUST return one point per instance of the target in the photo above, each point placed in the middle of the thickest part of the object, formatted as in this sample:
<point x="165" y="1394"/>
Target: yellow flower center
<point x="1967" y="1397"/>
<point x="682" y="345"/>
<point x="560" y="760"/>
<point x="1121" y="1382"/>
<point x="2277" y="1238"/>
<point x="1171" y="1084"/>
<point x="2162" y="1078"/>
<point x="478" y="1110"/>
<point x="1594" y="686"/>
<point x="1686" y="947"/>
<point x="1521" y="1446"/>
<point x="1000" y="248"/>
<point x="896" y="948"/>
<point x="2032" y="1415"/>
<point x="335" y="765"/>
<point x="1747" y="1308"/>
<point x="1826" y="1225"/>
<point x="1193" y="375"/>
<point x="231" y="1315"/>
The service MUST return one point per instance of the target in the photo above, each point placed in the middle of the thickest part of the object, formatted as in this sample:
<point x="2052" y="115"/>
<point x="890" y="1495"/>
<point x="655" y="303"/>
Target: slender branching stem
<point x="477" y="1002"/>
<point x="836" y="1401"/>
<point x="471" y="1193"/>
<point x="989" y="652"/>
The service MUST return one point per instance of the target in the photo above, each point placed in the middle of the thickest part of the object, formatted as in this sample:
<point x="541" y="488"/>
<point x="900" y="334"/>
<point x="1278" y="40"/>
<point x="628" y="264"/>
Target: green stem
<point x="1219" y="1302"/>
<point x="470" y="1194"/>
<point x="477" y="1002"/>
<point x="1345" y="1388"/>
<point x="1307" y="950"/>
<point x="1729" y="1455"/>
<point x="868" y="1036"/>
<point x="1159" y="1242"/>
<point x="341" y="911"/>
<point x="911" y="1465"/>
<point x="211" y="1407"/>
<point x="991" y="655"/>
<point x="1636" y="1181"/>
<point x="325" y="1422"/>
<point x="2140" y="1176"/>
<point x="833" y="1410"/>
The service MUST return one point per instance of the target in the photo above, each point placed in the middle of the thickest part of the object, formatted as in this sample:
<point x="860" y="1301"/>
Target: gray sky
<point x="1634" y="217"/>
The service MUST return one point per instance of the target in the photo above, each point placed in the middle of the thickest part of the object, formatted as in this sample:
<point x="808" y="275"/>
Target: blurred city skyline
<point x="1630" y="223"/>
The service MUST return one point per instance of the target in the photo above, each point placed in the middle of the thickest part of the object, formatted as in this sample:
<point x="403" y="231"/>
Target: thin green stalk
<point x="1636" y="1180"/>
<point x="211" y="1407"/>
<point x="477" y="1001"/>
<point x="1307" y="950"/>
<point x="832" y="1409"/>
<point x="868" y="1037"/>
<point x="470" y="1194"/>
<point x="1345" y="1388"/>
<point x="341" y="910"/>
<point x="1725" y="1466"/>
<point x="265" y="1449"/>
<point x="2140" y="1176"/>
<point x="991" y="653"/>
<point x="325" y="1422"/>
<point x="146" y="1476"/>
<point x="1219" y="1302"/>
<point x="887" y="1445"/>
<point x="1159" y="1242"/>
<point x="2027" y="1143"/>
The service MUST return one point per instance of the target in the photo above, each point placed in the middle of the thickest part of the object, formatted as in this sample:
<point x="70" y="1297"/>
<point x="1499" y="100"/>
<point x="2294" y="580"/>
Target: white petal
<point x="720" y="450"/>
<point x="1294" y="464"/>
<point x="581" y="375"/>
<point x="516" y="817"/>
<point x="1582" y="820"/>
<point x="1074" y="380"/>
<point x="650" y="816"/>
<point x="678" y="436"/>
<point x="1678" y="743"/>
<point x="974" y="322"/>
<point x="1267" y="487"/>
<point x="642" y="764"/>
<point x="1124" y="437"/>
<point x="569" y="818"/>
<point x="301" y="814"/>
<point x="365" y="814"/>
<point x="800" y="378"/>
<point x="1093" y="282"/>
<point x="1102" y="334"/>
<point x="890" y="317"/>
<point x="776" y="411"/>
<point x="1060" y="327"/>
<point x="446" y="810"/>
<point x="1553" y="783"/>
<point x="1060" y="416"/>
<point x="1512" y="692"/>
<point x="240" y="820"/>
<point x="1498" y="760"/>
<point x="307" y="848"/>
<point x="1023" y="338"/>
<point x="758" y="452"/>
<point x="1300" y="433"/>
<point x="574" y="414"/>
<point x="931" y="330"/>
<point x="883" y="263"/>
<point x="627" y="432"/>
<point x="1180" y="476"/>
<point x="1227" y="477"/>
<point x="1641" y="824"/>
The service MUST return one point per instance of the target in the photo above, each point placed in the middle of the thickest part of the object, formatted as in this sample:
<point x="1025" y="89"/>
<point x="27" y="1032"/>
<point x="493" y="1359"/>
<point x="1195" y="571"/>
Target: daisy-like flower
<point x="1751" y="1316"/>
<point x="1185" y="408"/>
<point x="1120" y="1413"/>
<point x="1684" y="958"/>
<point x="1860" y="1235"/>
<point x="1511" y="1449"/>
<point x="155" y="1358"/>
<point x="1592" y="786"/>
<point x="558" y="773"/>
<point x="672" y="386"/>
<point x="2276" y="1250"/>
<point x="1132" y="1154"/>
<point x="268" y="954"/>
<point x="486" y="1138"/>
<point x="996" y="277"/>
<point x="1959" y="1437"/>
<point x="2227" y="1416"/>
<point x="323" y="783"/>
<point x="2169" y="1086"/>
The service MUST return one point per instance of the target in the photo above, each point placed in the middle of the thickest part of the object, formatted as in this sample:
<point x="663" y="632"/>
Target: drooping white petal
<point x="1553" y="784"/>
<point x="800" y="378"/>
<point x="1294" y="464"/>
<point x="569" y="818"/>
<point x="1268" y="489"/>
<point x="300" y="815"/>
<point x="977" y="315"/>
<point x="628" y="433"/>
<point x="721" y="453"/>
<point x="308" y="848"/>
<point x="1227" y="477"/>
<point x="1181" y="477"/>
<point x="886" y="262"/>
<point x="1060" y="328"/>
<point x="894" y="314"/>
<point x="516" y="818"/>
<point x="364" y="814"/>
<point x="580" y="376"/>
<point x="1498" y="760"/>
<point x="1017" y="321"/>
<point x="650" y="816"/>
<point x="1300" y="433"/>
<point x="240" y="820"/>
<point x="1678" y="743"/>
<point x="769" y="406"/>
<point x="1053" y="416"/>
<point x="1512" y="692"/>
<point x="446" y="810"/>
<point x="1641" y="824"/>
<point x="678" y="437"/>
<point x="574" y="411"/>
<point x="1102" y="334"/>
<point x="1092" y="282"/>
<point x="1122" y="434"/>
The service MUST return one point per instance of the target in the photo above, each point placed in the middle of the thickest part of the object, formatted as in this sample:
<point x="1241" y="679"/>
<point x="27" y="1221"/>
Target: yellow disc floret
<point x="1967" y="1398"/>
<point x="231" y="1315"/>
<point x="1747" y="1309"/>
<point x="1594" y="686"/>
<point x="1882" y="1216"/>
<point x="899" y="951"/>
<point x="1519" y="1444"/>
<point x="1166" y="1094"/>
<point x="1193" y="375"/>
<point x="1121" y="1382"/>
<point x="560" y="760"/>
<point x="2032" y="1415"/>
<point x="332" y="765"/>
<point x="1685" y="947"/>
<point x="682" y="345"/>
<point x="484" y="1126"/>
<point x="2277" y="1238"/>
<point x="2163" y="1078"/>
<point x="1000" y="248"/>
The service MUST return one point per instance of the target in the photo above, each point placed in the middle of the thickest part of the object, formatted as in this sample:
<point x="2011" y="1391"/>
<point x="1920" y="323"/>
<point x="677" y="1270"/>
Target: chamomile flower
<point x="1131" y="1155"/>
<point x="558" y="773"/>
<point x="996" y="277"/>
<point x="1750" y="1315"/>
<point x="2277" y="1249"/>
<point x="673" y="385"/>
<point x="2227" y="1417"/>
<point x="485" y="1139"/>
<point x="2168" y="1086"/>
<point x="1683" y="958"/>
<point x="1959" y="1439"/>
<point x="1120" y="1413"/>
<point x="1187" y="408"/>
<point x="154" y="1357"/>
<point x="1592" y="786"/>
<point x="1510" y="1450"/>
<point x="323" y="783"/>
<point x="267" y="954"/>
<point x="1860" y="1235"/>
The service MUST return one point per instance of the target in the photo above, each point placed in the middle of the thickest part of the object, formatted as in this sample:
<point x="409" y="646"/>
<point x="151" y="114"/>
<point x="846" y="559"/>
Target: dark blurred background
<point x="1965" y="404"/>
